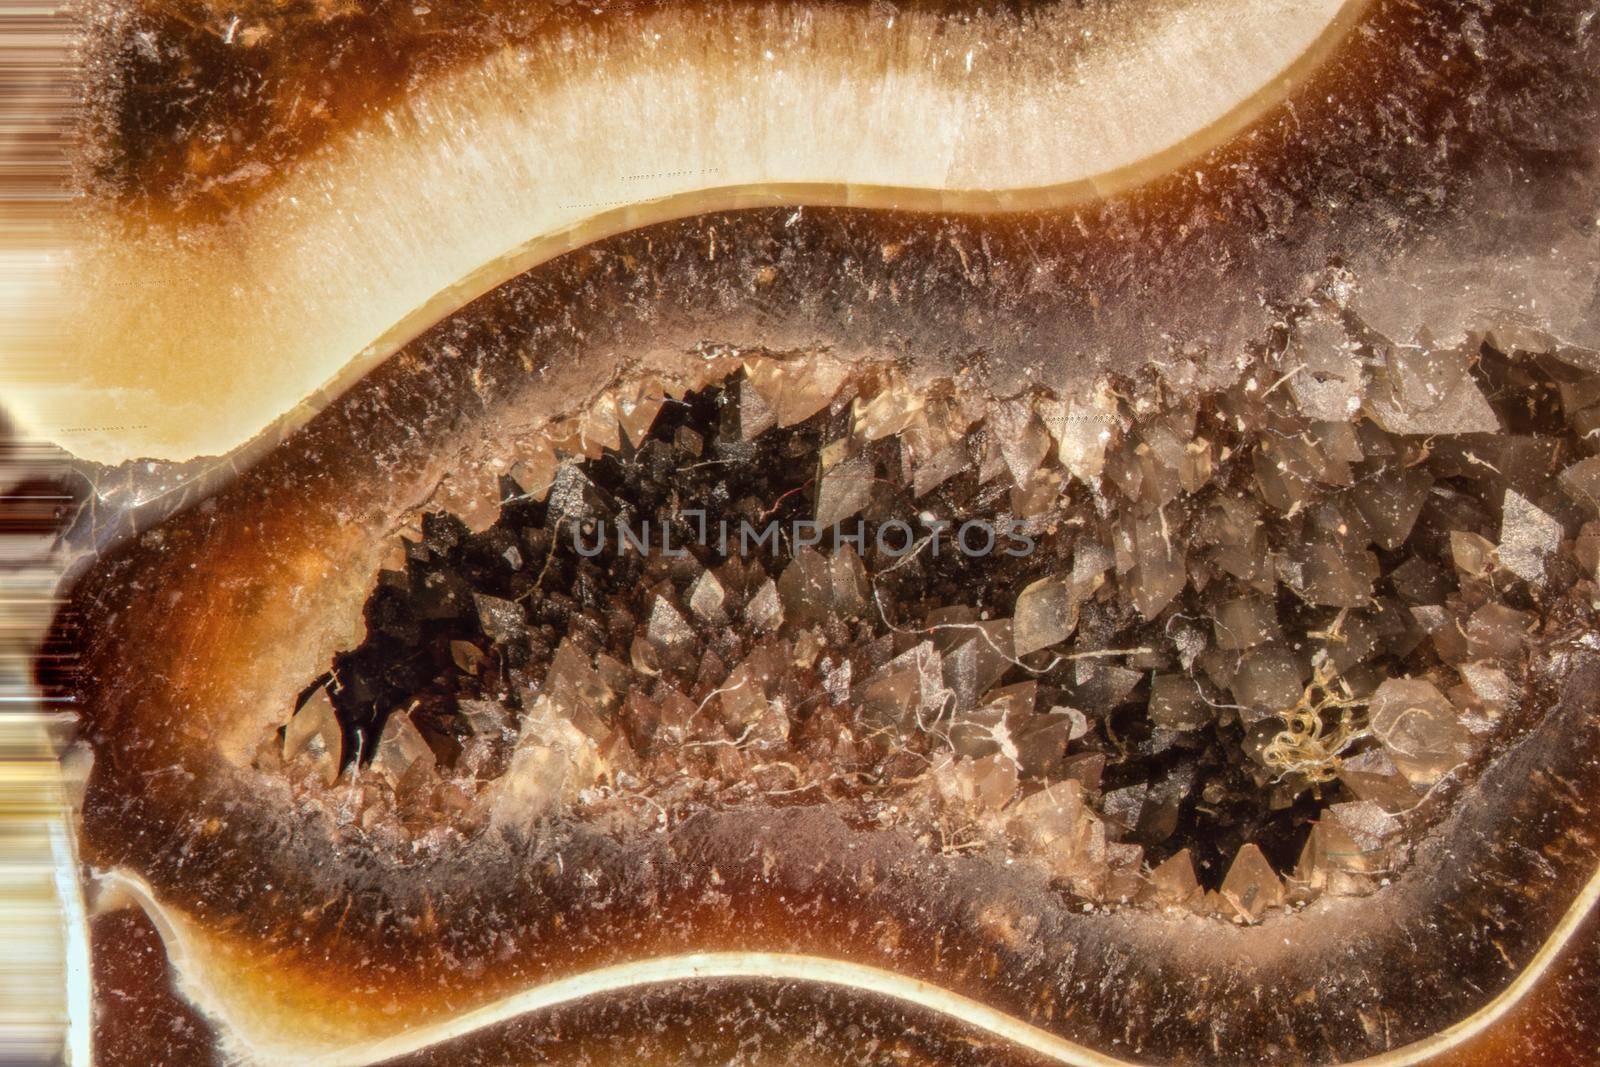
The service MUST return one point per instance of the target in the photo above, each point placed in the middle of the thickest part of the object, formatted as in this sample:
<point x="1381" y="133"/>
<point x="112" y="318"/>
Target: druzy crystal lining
<point x="1256" y="641"/>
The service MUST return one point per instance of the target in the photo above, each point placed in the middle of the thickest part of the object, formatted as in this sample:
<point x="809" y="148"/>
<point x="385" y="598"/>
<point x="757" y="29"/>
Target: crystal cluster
<point x="1224" y="652"/>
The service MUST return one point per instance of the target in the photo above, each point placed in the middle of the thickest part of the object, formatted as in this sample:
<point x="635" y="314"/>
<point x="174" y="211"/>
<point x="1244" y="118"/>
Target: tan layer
<point x="190" y="342"/>
<point x="253" y="1021"/>
<point x="233" y="608"/>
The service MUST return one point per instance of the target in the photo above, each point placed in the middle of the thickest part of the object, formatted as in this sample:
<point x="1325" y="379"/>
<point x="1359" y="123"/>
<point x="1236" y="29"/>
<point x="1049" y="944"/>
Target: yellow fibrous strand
<point x="1318" y="729"/>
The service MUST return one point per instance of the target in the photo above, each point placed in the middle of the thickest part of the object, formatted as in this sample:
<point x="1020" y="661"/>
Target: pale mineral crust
<point x="1170" y="620"/>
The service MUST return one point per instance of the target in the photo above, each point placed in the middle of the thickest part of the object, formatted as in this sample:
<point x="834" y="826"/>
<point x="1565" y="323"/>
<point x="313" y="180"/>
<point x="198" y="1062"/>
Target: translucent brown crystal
<point x="1256" y="659"/>
<point x="1174" y="577"/>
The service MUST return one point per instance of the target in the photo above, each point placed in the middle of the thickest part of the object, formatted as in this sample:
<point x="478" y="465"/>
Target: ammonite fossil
<point x="835" y="532"/>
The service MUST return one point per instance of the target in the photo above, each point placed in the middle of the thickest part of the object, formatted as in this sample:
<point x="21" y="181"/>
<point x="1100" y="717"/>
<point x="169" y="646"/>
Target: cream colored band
<point x="190" y="341"/>
<point x="256" y="1034"/>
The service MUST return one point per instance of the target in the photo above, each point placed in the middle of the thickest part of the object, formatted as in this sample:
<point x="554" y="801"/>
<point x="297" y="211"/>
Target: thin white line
<point x="701" y="966"/>
<point x="1508" y="998"/>
<point x="80" y="991"/>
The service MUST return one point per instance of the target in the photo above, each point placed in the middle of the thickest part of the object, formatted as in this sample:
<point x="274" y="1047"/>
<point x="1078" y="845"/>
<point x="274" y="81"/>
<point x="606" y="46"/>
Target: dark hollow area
<point x="479" y="617"/>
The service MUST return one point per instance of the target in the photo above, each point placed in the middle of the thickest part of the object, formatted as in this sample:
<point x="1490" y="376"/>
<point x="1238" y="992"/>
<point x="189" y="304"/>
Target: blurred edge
<point x="44" y="993"/>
